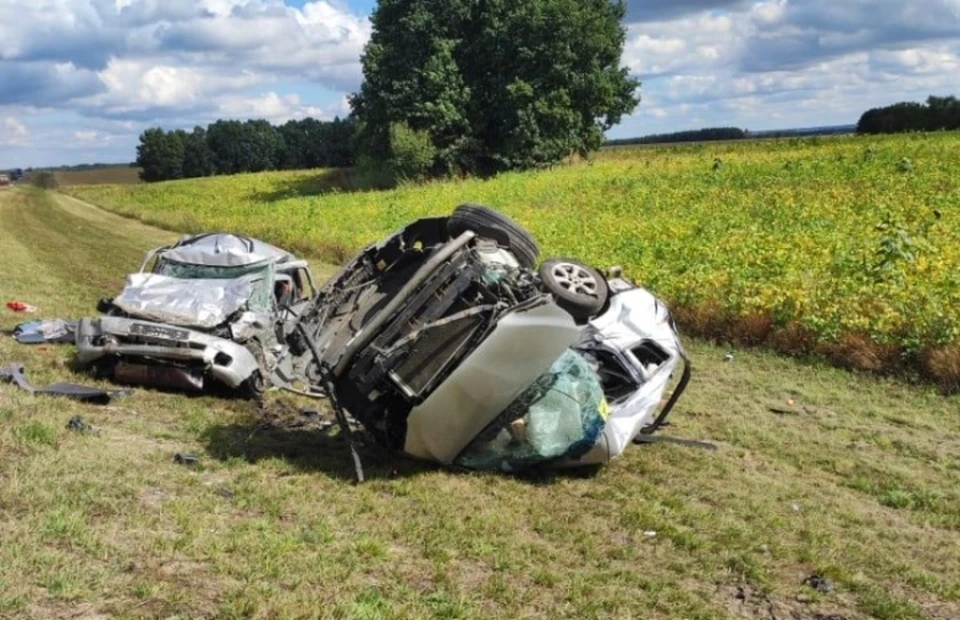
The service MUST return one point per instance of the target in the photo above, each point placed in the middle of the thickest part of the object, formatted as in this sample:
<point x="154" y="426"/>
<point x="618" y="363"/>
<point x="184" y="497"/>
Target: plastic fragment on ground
<point x="19" y="306"/>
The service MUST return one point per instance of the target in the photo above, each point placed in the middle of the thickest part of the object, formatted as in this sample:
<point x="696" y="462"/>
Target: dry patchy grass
<point x="115" y="175"/>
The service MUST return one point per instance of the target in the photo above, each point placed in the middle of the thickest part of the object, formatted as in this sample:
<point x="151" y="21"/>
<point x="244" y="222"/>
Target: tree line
<point x="232" y="147"/>
<point x="694" y="135"/>
<point x="937" y="113"/>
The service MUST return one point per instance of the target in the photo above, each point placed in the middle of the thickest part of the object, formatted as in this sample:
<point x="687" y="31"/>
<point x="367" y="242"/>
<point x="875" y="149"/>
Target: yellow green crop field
<point x="846" y="248"/>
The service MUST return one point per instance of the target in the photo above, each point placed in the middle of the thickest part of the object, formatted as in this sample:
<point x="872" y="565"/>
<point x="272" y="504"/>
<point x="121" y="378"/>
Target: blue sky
<point x="80" y="79"/>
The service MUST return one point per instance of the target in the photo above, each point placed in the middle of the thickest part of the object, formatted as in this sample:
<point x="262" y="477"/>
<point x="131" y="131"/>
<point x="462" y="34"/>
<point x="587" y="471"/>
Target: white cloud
<point x="109" y="68"/>
<point x="141" y="89"/>
<point x="89" y="32"/>
<point x="85" y="136"/>
<point x="780" y="63"/>
<point x="931" y="61"/>
<point x="798" y="33"/>
<point x="660" y="10"/>
<point x="15" y="132"/>
<point x="271" y="106"/>
<point x="178" y="62"/>
<point x="695" y="43"/>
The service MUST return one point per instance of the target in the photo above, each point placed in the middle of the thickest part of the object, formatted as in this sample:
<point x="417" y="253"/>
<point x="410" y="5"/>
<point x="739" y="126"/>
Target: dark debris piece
<point x="690" y="443"/>
<point x="185" y="459"/>
<point x="78" y="425"/>
<point x="18" y="375"/>
<point x="324" y="425"/>
<point x="783" y="411"/>
<point x="819" y="583"/>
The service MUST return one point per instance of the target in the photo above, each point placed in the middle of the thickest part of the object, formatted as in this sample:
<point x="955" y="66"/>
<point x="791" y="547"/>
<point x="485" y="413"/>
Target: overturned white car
<point x="448" y="343"/>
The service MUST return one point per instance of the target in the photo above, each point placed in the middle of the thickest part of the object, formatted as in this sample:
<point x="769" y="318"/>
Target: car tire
<point x="580" y="290"/>
<point x="254" y="388"/>
<point x="487" y="222"/>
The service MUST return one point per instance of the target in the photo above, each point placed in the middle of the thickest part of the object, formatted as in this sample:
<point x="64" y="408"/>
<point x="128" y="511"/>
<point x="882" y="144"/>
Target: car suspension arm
<point x="327" y="378"/>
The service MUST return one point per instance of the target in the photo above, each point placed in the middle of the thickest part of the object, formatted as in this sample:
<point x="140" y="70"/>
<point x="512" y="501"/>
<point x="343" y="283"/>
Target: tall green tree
<point x="263" y="146"/>
<point x="334" y="138"/>
<point x="197" y="156"/>
<point x="160" y="154"/>
<point x="225" y="140"/>
<point x="297" y="145"/>
<point x="495" y="84"/>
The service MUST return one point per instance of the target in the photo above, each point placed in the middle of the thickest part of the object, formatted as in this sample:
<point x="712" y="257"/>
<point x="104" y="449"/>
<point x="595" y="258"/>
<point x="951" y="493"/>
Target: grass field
<point x="859" y="484"/>
<point x="848" y="248"/>
<point x="115" y="175"/>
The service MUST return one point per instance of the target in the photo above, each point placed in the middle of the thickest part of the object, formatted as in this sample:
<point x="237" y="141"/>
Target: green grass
<point x="860" y="485"/>
<point x="772" y="242"/>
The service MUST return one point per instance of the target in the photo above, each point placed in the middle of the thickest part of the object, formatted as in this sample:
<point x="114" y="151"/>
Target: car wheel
<point x="486" y="222"/>
<point x="254" y="387"/>
<point x="578" y="289"/>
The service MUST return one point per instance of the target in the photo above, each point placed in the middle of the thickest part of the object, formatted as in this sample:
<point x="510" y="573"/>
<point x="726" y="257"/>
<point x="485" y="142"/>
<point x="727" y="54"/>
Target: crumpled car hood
<point x="202" y="303"/>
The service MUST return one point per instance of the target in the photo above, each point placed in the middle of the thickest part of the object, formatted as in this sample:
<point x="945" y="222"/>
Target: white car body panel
<point x="633" y="317"/>
<point x="521" y="347"/>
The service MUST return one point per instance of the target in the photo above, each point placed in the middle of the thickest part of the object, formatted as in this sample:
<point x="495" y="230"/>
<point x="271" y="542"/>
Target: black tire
<point x="254" y="388"/>
<point x="580" y="290"/>
<point x="486" y="222"/>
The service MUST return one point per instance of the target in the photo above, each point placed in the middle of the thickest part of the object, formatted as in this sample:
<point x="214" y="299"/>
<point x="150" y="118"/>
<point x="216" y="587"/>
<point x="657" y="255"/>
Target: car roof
<point x="224" y="250"/>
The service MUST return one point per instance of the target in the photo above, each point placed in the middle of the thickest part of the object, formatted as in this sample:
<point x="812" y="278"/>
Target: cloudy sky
<point x="80" y="79"/>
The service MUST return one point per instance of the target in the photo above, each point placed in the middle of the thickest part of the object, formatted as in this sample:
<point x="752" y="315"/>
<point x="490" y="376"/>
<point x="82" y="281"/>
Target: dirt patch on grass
<point x="745" y="602"/>
<point x="67" y="612"/>
<point x="940" y="611"/>
<point x="153" y="498"/>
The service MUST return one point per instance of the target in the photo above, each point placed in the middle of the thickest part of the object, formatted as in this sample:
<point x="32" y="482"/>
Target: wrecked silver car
<point x="448" y="343"/>
<point x="212" y="306"/>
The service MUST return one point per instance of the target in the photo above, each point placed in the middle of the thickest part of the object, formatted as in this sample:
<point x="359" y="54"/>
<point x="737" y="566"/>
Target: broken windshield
<point x="260" y="276"/>
<point x="560" y="416"/>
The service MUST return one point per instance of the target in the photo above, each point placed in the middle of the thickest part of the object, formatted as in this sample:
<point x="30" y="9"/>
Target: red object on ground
<point x="19" y="306"/>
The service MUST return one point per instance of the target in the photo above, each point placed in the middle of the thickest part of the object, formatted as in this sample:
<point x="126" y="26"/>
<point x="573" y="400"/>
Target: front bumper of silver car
<point x="104" y="337"/>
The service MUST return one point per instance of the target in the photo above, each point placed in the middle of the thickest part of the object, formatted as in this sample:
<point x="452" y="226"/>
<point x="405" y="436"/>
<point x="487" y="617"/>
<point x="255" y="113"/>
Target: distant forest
<point x="87" y="167"/>
<point x="938" y="113"/>
<point x="232" y="147"/>
<point x="732" y="133"/>
<point x="696" y="135"/>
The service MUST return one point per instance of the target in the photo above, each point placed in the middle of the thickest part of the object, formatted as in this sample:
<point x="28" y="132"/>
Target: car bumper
<point x="105" y="337"/>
